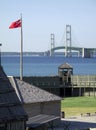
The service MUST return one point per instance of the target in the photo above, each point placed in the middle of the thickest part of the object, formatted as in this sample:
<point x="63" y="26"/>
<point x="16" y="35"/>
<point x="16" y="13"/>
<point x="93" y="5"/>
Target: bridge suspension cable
<point x="68" y="47"/>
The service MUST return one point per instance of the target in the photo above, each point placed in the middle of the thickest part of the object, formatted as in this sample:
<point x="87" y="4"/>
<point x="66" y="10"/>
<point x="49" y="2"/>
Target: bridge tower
<point x="52" y="44"/>
<point x="68" y="41"/>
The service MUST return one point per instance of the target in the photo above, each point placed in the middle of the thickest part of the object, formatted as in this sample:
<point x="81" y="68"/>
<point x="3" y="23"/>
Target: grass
<point x="76" y="105"/>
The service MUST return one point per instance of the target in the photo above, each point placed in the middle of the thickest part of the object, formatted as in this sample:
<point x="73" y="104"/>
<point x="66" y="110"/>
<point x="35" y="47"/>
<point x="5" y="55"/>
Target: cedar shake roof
<point x="10" y="106"/>
<point x="31" y="94"/>
<point x="65" y="66"/>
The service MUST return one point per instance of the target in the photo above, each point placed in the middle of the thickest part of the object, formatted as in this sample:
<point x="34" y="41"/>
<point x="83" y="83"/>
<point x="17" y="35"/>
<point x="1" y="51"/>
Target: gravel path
<point x="77" y="123"/>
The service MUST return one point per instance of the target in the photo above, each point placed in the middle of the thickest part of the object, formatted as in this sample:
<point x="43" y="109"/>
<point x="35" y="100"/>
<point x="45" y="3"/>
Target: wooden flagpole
<point x="21" y="53"/>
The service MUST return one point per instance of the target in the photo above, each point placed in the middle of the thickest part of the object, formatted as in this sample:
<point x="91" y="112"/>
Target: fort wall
<point x="79" y="85"/>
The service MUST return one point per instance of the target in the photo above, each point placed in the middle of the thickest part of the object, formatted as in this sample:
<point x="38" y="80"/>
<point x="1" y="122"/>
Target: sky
<point x="40" y="18"/>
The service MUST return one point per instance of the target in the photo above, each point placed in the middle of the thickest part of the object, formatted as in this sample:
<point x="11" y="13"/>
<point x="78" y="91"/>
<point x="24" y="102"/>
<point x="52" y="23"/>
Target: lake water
<point x="46" y="65"/>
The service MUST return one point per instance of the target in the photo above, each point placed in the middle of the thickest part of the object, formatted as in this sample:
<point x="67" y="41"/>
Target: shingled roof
<point x="10" y="106"/>
<point x="65" y="66"/>
<point x="31" y="94"/>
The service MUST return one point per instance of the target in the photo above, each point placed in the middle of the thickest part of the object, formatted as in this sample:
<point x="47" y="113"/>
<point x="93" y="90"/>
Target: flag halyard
<point x="15" y="24"/>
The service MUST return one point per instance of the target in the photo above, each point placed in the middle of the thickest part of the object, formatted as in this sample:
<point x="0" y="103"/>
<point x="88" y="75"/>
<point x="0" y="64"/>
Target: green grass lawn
<point x="76" y="105"/>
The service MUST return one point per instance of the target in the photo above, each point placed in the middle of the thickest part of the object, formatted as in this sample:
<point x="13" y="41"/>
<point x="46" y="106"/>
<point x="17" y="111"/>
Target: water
<point x="46" y="66"/>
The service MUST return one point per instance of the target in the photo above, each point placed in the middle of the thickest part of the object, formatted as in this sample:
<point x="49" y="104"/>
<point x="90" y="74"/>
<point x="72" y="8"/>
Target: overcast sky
<point x="43" y="17"/>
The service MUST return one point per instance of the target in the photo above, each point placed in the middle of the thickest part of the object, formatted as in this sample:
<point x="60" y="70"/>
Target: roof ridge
<point x="15" y="86"/>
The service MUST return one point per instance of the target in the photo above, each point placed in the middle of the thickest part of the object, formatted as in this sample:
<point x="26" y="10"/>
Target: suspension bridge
<point x="69" y="49"/>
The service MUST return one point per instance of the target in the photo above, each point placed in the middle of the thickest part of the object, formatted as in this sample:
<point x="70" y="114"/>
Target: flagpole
<point x="21" y="53"/>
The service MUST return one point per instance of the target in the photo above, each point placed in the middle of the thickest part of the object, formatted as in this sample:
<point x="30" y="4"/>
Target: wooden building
<point x="12" y="114"/>
<point x="41" y="106"/>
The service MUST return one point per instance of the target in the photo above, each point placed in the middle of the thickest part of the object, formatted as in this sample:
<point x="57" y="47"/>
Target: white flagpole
<point x="21" y="53"/>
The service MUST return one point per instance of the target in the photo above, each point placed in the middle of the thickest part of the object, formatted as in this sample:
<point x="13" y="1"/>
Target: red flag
<point x="15" y="24"/>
